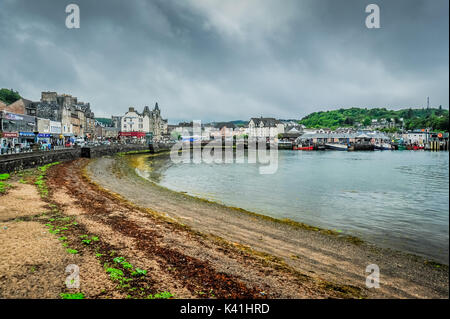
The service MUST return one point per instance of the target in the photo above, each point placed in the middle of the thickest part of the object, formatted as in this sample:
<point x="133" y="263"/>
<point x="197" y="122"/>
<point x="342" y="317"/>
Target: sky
<point x="220" y="60"/>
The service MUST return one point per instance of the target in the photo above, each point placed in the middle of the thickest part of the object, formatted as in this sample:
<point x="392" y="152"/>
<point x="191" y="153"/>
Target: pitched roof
<point x="266" y="121"/>
<point x="220" y="125"/>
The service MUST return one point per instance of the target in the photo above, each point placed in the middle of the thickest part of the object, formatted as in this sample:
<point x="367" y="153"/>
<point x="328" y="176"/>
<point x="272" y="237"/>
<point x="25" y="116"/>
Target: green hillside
<point x="9" y="96"/>
<point x="437" y="119"/>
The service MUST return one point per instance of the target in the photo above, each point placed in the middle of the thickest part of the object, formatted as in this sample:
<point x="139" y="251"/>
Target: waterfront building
<point x="76" y="117"/>
<point x="17" y="130"/>
<point x="224" y="130"/>
<point x="343" y="138"/>
<point x="418" y="137"/>
<point x="21" y="106"/>
<point x="116" y="121"/>
<point x="264" y="127"/>
<point x="141" y="125"/>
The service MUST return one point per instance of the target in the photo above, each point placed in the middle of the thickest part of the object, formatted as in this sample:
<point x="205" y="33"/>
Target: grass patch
<point x="4" y="186"/>
<point x="161" y="295"/>
<point x="4" y="177"/>
<point x="40" y="180"/>
<point x="79" y="295"/>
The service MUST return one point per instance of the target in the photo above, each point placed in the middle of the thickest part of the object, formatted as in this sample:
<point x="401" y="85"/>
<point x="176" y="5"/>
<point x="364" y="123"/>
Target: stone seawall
<point x="16" y="162"/>
<point x="93" y="152"/>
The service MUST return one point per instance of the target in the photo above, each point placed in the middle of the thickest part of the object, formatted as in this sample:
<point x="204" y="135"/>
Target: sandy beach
<point x="189" y="247"/>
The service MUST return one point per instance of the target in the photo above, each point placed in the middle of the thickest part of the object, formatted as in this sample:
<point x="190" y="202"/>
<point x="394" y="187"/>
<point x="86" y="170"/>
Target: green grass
<point x="139" y="272"/>
<point x="4" y="186"/>
<point x="161" y="295"/>
<point x="114" y="273"/>
<point x="40" y="181"/>
<point x="72" y="251"/>
<point x="79" y="295"/>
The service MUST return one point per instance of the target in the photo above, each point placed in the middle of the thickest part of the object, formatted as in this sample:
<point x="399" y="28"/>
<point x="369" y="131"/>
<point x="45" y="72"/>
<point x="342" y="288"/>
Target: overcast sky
<point x="217" y="60"/>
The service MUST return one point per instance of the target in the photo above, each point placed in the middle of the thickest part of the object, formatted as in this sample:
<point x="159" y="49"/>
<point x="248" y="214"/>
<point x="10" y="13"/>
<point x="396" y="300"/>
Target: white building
<point x="132" y="121"/>
<point x="145" y="122"/>
<point x="416" y="137"/>
<point x="264" y="127"/>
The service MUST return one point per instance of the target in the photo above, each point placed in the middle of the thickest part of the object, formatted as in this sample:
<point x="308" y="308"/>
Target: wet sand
<point x="317" y="255"/>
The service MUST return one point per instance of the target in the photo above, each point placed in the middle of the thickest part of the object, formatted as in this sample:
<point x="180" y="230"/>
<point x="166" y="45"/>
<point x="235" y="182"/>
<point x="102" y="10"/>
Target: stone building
<point x="21" y="106"/>
<point x="77" y="119"/>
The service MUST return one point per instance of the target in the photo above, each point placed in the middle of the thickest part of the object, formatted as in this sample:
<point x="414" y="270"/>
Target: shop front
<point x="27" y="139"/>
<point x="132" y="137"/>
<point x="44" y="141"/>
<point x="69" y="139"/>
<point x="57" y="139"/>
<point x="8" y="142"/>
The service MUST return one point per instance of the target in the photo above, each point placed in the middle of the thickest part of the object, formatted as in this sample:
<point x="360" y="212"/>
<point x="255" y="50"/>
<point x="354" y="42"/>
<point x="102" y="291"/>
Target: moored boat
<point x="383" y="147"/>
<point x="337" y="147"/>
<point x="303" y="148"/>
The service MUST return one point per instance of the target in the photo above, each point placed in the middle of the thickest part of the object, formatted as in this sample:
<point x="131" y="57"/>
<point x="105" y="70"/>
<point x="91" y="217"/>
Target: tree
<point x="9" y="96"/>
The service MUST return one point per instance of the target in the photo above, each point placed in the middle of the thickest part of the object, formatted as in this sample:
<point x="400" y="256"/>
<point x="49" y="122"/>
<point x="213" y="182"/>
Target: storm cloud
<point x="220" y="60"/>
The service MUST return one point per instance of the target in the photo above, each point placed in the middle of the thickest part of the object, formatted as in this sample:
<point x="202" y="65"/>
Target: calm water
<point x="393" y="199"/>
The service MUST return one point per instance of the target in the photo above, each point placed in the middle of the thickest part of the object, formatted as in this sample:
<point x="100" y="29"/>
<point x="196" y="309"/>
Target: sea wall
<point x="16" y="162"/>
<point x="98" y="151"/>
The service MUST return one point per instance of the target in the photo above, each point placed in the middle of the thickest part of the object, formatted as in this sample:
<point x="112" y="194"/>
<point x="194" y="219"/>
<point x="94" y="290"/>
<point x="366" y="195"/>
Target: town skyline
<point x="174" y="121"/>
<point x="215" y="61"/>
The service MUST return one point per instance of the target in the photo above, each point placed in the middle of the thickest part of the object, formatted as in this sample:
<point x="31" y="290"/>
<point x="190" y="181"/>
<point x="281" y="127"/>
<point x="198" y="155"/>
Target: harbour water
<point x="397" y="199"/>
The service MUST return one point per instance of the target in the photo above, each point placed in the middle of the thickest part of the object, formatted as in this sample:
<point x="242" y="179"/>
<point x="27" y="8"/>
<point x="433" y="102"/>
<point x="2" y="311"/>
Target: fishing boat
<point x="383" y="147"/>
<point x="303" y="148"/>
<point x="337" y="147"/>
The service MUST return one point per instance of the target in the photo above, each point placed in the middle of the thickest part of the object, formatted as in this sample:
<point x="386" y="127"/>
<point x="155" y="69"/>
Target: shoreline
<point x="92" y="212"/>
<point x="296" y="224"/>
<point x="321" y="245"/>
<point x="285" y="221"/>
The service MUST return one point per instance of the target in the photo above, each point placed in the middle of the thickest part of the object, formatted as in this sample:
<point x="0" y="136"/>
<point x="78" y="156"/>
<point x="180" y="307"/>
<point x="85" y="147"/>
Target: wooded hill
<point x="434" y="118"/>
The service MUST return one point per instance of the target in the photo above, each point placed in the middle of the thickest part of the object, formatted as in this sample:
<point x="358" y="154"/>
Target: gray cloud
<point x="223" y="60"/>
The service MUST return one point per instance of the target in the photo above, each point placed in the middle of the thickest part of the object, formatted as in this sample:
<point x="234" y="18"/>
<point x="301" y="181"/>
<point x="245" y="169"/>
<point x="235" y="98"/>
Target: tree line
<point x="435" y="118"/>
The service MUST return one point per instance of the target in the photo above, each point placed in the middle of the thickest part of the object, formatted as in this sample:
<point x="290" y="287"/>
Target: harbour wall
<point x="16" y="162"/>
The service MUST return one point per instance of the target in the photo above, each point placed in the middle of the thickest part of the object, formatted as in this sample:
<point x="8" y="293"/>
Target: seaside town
<point x="224" y="158"/>
<point x="59" y="121"/>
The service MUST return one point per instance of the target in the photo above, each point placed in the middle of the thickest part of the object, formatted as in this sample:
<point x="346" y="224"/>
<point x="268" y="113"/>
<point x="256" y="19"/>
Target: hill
<point x="435" y="118"/>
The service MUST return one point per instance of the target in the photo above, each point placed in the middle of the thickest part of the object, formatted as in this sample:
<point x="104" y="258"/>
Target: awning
<point x="132" y="134"/>
<point x="9" y="134"/>
<point x="27" y="134"/>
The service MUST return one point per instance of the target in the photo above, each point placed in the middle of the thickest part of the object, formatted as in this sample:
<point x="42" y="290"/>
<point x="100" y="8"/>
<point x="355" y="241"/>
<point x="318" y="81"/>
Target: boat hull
<point x="303" y="148"/>
<point x="337" y="147"/>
